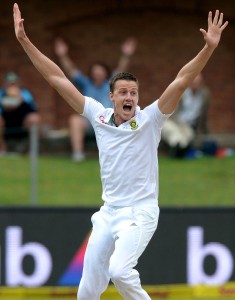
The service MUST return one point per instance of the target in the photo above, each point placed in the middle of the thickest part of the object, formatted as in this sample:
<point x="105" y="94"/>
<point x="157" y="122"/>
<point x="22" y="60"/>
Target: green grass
<point x="207" y="181"/>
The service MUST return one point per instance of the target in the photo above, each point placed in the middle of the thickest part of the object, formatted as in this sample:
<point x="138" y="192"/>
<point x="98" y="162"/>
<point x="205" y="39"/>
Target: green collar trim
<point x="112" y="121"/>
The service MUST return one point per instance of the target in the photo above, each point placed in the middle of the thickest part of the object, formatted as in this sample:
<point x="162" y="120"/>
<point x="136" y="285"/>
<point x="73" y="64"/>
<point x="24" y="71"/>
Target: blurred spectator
<point x="95" y="85"/>
<point x="18" y="111"/>
<point x="189" y="119"/>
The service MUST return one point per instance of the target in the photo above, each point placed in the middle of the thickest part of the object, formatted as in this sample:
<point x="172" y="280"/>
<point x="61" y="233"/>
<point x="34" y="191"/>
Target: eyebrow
<point x="125" y="88"/>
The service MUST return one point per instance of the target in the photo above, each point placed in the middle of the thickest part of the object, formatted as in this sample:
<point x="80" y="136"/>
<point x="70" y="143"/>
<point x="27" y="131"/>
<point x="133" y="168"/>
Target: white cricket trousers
<point x="118" y="238"/>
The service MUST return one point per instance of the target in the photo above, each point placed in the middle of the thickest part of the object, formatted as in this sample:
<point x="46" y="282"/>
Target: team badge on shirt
<point x="133" y="124"/>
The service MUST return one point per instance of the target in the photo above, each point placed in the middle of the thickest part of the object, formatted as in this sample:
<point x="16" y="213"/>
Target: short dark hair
<point x="121" y="76"/>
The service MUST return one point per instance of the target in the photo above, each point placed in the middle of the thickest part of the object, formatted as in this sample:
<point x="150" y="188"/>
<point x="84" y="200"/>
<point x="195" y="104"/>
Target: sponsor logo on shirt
<point x="102" y="120"/>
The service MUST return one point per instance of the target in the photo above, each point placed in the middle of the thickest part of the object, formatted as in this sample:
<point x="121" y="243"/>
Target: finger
<point x="21" y="22"/>
<point x="215" y="21"/>
<point x="17" y="14"/>
<point x="221" y="19"/>
<point x="16" y="9"/>
<point x="223" y="27"/>
<point x="203" y="31"/>
<point x="15" y="6"/>
<point x="210" y="18"/>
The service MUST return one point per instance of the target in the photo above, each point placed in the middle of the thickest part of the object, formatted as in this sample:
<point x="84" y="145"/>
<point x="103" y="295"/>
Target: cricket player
<point x="127" y="139"/>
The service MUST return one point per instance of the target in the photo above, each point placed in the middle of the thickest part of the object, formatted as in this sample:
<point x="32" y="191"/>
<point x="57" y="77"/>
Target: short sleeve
<point x="156" y="115"/>
<point x="92" y="108"/>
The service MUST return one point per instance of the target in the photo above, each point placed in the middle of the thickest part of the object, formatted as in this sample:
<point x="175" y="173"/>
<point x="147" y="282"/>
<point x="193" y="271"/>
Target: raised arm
<point x="171" y="96"/>
<point x="62" y="51"/>
<point x="49" y="70"/>
<point x="128" y="48"/>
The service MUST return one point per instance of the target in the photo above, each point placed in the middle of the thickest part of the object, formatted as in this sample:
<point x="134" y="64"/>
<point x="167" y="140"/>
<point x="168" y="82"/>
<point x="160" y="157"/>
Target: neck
<point x="114" y="121"/>
<point x="117" y="120"/>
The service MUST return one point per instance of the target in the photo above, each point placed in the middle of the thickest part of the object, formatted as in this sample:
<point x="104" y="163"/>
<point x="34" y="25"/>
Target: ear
<point x="111" y="96"/>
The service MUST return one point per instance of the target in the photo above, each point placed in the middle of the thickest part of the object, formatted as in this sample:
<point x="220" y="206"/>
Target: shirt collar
<point x="111" y="120"/>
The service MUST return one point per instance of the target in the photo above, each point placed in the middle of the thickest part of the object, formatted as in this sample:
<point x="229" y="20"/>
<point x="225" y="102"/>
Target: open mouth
<point x="127" y="107"/>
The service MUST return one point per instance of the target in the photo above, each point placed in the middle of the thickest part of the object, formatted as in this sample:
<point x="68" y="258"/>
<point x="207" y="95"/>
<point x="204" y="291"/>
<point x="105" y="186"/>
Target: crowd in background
<point x="19" y="109"/>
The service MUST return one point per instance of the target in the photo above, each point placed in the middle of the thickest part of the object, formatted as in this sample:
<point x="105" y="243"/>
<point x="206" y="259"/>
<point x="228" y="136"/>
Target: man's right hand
<point x="18" y="23"/>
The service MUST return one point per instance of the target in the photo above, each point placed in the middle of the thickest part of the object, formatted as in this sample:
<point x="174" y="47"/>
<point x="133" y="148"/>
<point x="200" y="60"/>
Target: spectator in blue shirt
<point x="18" y="111"/>
<point x="95" y="85"/>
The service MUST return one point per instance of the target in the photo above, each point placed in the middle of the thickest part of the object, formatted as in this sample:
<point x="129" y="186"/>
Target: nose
<point x="128" y="95"/>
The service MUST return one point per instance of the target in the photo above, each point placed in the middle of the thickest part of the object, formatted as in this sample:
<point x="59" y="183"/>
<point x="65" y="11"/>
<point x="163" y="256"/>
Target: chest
<point x="128" y="139"/>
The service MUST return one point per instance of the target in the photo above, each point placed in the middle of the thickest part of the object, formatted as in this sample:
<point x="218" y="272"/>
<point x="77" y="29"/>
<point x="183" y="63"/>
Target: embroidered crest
<point x="133" y="124"/>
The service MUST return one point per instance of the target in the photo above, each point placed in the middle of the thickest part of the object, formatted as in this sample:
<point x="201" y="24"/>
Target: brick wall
<point x="168" y="35"/>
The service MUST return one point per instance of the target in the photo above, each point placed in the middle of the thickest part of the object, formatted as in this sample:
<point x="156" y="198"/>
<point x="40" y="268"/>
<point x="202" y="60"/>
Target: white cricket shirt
<point x="127" y="153"/>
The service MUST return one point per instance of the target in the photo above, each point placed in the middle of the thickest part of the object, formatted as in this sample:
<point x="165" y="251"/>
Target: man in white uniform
<point x="127" y="139"/>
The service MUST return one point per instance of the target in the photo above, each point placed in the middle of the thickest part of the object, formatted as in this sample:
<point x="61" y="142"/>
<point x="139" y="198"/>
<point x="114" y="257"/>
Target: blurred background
<point x="37" y="175"/>
<point x="168" y="37"/>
